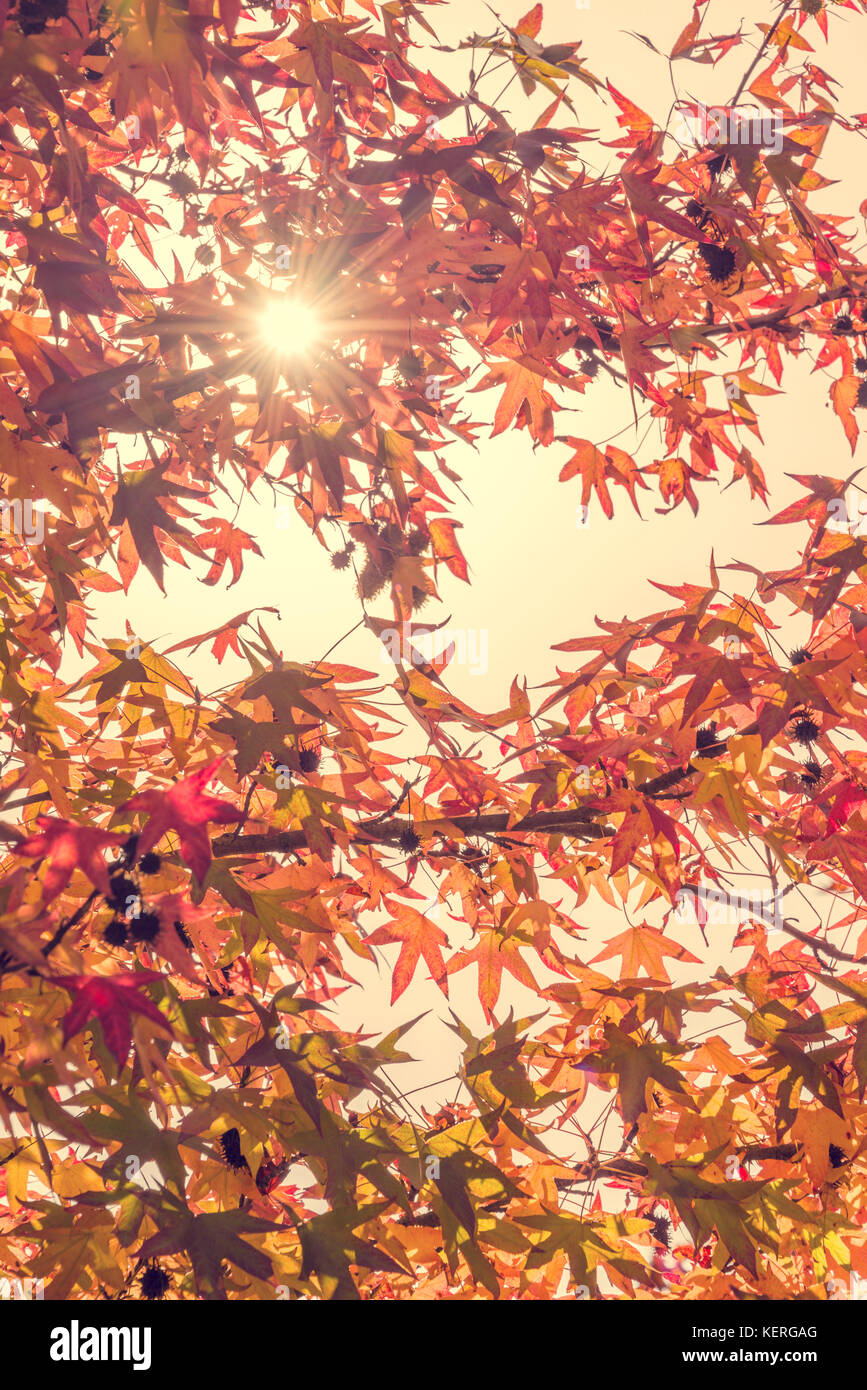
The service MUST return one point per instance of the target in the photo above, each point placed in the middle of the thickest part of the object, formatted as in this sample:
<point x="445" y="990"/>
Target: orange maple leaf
<point x="643" y="947"/>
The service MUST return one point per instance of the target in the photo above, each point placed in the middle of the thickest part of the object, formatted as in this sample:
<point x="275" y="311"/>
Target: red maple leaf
<point x="848" y="797"/>
<point x="111" y="999"/>
<point x="69" y="846"/>
<point x="186" y="809"/>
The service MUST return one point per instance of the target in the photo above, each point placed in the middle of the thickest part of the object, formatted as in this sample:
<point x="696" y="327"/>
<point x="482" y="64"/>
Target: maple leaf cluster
<point x="639" y="1120"/>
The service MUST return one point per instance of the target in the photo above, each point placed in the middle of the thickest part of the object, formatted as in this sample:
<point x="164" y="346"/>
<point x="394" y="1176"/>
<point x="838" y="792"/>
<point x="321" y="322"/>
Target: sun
<point x="290" y="326"/>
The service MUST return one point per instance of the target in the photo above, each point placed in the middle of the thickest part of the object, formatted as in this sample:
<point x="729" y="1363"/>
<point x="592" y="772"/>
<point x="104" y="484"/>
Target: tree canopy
<point x="191" y="880"/>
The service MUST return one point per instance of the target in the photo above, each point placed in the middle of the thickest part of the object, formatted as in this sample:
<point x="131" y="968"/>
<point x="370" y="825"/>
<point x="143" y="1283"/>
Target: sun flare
<point x="290" y="326"/>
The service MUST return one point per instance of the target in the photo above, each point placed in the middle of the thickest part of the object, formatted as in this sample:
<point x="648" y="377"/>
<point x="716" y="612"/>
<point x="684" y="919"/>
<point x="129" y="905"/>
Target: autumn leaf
<point x="643" y="948"/>
<point x="138" y="504"/>
<point x="68" y="846"/>
<point x="228" y="544"/>
<point x="210" y="1239"/>
<point x="187" y="809"/>
<point x="110" y="999"/>
<point x="420" y="939"/>
<point x="493" y="954"/>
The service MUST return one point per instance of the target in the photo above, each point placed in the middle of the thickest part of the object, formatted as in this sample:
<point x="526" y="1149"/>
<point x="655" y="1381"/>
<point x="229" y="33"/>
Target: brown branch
<point x="814" y="941"/>
<point x="70" y="922"/>
<point x="571" y="822"/>
<point x="787" y="5"/>
<point x="772" y="319"/>
<point x="31" y="800"/>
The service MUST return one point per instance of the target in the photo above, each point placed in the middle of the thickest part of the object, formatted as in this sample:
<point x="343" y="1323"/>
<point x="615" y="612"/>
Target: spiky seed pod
<point x="707" y="743"/>
<point x="811" y="776"/>
<point x="417" y="540"/>
<point x="122" y="887"/>
<point x="719" y="261"/>
<point x="149" y="863"/>
<point x="811" y="6"/>
<point x="181" y="183"/>
<point x="205" y="255"/>
<point x="115" y="933"/>
<point x="154" y="1282"/>
<point x="842" y="324"/>
<point x="340" y="558"/>
<point x="607" y="338"/>
<point x="408" y="840"/>
<point x="694" y="209"/>
<point x="800" y="655"/>
<point x="410" y="366"/>
<point x="806" y="731"/>
<point x="145" y="928"/>
<point x="836" y="1156"/>
<point x="309" y="759"/>
<point x="860" y="364"/>
<point x="371" y="581"/>
<point x="861" y="397"/>
<point x="419" y="597"/>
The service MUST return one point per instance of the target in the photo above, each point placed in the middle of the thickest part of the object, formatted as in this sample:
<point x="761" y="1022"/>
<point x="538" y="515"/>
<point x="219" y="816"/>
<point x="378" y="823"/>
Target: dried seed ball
<point x="340" y="558"/>
<point x="842" y="324"/>
<point x="409" y="365"/>
<point x="122" y="887"/>
<point x="417" y="540"/>
<point x="800" y="655"/>
<point x="860" y="364"/>
<point x="205" y="255"/>
<point x="806" y="731"/>
<point x="811" y="775"/>
<point x="154" y="1282"/>
<point x="181" y="183"/>
<point x="149" y="863"/>
<point x="706" y="740"/>
<point x="607" y="337"/>
<point x="694" y="209"/>
<point x="836" y="1155"/>
<point x="861" y="397"/>
<point x="719" y="260"/>
<point x="371" y="581"/>
<point x="145" y="927"/>
<point x="811" y="6"/>
<point x="309" y="759"/>
<point x="408" y="840"/>
<point x="115" y="933"/>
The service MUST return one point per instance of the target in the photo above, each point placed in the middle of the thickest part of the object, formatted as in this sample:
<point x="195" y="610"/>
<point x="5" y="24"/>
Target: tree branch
<point x="572" y="822"/>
